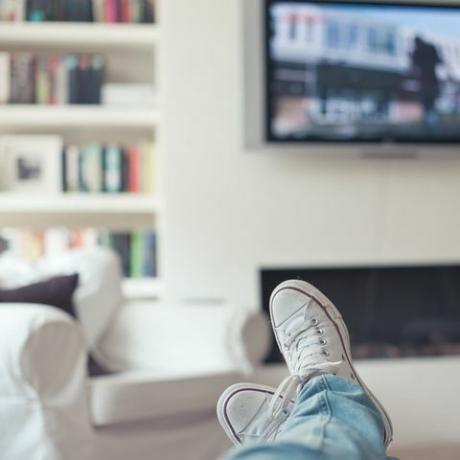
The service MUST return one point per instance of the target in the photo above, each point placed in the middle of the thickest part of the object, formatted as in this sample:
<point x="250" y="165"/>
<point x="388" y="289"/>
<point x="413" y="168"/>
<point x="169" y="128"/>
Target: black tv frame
<point x="389" y="143"/>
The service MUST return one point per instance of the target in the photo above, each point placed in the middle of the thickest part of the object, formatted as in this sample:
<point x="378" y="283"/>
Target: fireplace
<point x="391" y="311"/>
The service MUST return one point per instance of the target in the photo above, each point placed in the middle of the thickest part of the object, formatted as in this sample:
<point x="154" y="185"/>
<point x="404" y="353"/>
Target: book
<point x="42" y="82"/>
<point x="4" y="77"/>
<point x="136" y="249"/>
<point x="72" y="79"/>
<point x="118" y="168"/>
<point x="112" y="176"/>
<point x="22" y="72"/>
<point x="62" y="83"/>
<point x="136" y="255"/>
<point x="83" y="80"/>
<point x="148" y="172"/>
<point x="150" y="255"/>
<point x="121" y="243"/>
<point x="95" y="80"/>
<point x="52" y="63"/>
<point x="110" y="11"/>
<point x="71" y="160"/>
<point x="26" y="78"/>
<point x="91" y="171"/>
<point x="12" y="10"/>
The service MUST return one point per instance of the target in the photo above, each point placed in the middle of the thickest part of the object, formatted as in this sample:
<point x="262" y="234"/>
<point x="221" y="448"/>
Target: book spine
<point x="136" y="255"/>
<point x="52" y="70"/>
<point x="120" y="243"/>
<point x="150" y="255"/>
<point x="135" y="11"/>
<point x="126" y="11"/>
<point x="148" y="168"/>
<point x="83" y="77"/>
<point x="42" y="89"/>
<point x="5" y="75"/>
<point x="112" y="176"/>
<point x="134" y="169"/>
<point x="62" y="83"/>
<point x="23" y="79"/>
<point x="37" y="11"/>
<point x="118" y="10"/>
<point x="72" y="168"/>
<point x="95" y="79"/>
<point x="99" y="10"/>
<point x="124" y="170"/>
<point x="111" y="15"/>
<point x="19" y="13"/>
<point x="72" y="79"/>
<point x="148" y="12"/>
<point x="92" y="173"/>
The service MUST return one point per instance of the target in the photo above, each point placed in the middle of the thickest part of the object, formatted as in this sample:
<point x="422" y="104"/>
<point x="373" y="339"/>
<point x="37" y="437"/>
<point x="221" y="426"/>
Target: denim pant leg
<point x="333" y="419"/>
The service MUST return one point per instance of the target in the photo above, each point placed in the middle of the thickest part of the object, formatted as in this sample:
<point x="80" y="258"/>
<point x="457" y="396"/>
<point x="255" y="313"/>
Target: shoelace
<point x="287" y="391"/>
<point x="303" y="345"/>
<point x="303" y="349"/>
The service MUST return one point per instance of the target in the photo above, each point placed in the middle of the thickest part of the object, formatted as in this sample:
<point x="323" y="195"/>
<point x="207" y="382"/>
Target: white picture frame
<point x="31" y="164"/>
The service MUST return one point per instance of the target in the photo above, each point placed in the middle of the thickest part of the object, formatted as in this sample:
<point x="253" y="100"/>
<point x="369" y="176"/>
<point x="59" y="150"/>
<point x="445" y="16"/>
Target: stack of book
<point x="108" y="168"/>
<point x="111" y="11"/>
<point x="26" y="78"/>
<point x="137" y="249"/>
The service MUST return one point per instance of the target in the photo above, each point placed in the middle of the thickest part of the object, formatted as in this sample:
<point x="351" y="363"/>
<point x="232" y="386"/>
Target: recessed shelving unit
<point x="127" y="46"/>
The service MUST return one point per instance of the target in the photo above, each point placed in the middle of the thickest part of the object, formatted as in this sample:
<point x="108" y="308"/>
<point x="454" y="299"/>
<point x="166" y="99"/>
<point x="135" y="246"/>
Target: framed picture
<point x="31" y="164"/>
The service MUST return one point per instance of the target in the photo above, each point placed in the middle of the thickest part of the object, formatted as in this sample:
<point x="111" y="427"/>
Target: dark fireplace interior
<point x="391" y="311"/>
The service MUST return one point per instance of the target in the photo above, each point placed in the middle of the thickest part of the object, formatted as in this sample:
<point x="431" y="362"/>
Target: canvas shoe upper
<point x="252" y="413"/>
<point x="313" y="339"/>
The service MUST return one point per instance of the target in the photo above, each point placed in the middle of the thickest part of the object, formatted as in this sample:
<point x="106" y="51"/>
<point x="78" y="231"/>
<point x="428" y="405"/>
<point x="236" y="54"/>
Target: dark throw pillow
<point x="56" y="292"/>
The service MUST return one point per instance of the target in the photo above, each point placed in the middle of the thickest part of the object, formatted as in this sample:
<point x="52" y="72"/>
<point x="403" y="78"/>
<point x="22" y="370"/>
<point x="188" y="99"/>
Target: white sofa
<point x="171" y="363"/>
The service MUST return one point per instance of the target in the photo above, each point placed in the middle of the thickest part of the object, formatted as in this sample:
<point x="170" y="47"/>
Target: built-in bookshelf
<point x="131" y="55"/>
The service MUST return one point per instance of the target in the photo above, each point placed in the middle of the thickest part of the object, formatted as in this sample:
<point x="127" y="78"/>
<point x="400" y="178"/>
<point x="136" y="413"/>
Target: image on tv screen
<point x="362" y="72"/>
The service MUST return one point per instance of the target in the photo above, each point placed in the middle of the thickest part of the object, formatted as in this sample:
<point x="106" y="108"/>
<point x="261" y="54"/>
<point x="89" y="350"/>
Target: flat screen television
<point x="361" y="72"/>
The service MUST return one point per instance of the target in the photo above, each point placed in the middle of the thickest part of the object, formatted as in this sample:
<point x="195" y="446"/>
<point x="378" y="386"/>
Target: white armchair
<point x="170" y="364"/>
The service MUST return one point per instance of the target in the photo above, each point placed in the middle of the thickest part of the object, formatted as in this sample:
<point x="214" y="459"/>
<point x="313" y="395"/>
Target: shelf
<point x="77" y="204"/>
<point x="91" y="35"/>
<point x="63" y="116"/>
<point x="142" y="288"/>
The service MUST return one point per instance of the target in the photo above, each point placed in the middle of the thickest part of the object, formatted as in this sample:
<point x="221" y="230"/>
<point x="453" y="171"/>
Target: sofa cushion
<point x="138" y="396"/>
<point x="57" y="292"/>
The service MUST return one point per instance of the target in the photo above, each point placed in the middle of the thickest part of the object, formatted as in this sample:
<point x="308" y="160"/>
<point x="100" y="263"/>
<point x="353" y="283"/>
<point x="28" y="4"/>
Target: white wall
<point x="231" y="211"/>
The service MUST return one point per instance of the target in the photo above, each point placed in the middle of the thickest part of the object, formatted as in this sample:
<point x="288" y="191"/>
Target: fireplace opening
<point x="390" y="311"/>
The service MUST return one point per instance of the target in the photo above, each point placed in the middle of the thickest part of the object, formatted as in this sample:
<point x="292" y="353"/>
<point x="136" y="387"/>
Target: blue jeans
<point x="333" y="419"/>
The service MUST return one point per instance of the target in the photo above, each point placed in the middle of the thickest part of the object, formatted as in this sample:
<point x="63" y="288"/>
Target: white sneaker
<point x="313" y="339"/>
<point x="252" y="413"/>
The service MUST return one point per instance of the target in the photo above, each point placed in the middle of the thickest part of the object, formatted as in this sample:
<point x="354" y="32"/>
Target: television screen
<point x="362" y="72"/>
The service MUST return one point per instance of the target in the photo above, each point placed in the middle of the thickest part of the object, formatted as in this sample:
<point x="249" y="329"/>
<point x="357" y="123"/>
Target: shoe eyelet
<point x="323" y="341"/>
<point x="314" y="321"/>
<point x="326" y="353"/>
<point x="319" y="331"/>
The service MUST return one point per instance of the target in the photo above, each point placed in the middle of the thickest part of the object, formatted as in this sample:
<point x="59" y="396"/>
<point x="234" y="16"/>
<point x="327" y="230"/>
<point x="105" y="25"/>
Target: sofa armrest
<point x="42" y="382"/>
<point x="185" y="339"/>
<point x="41" y="350"/>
